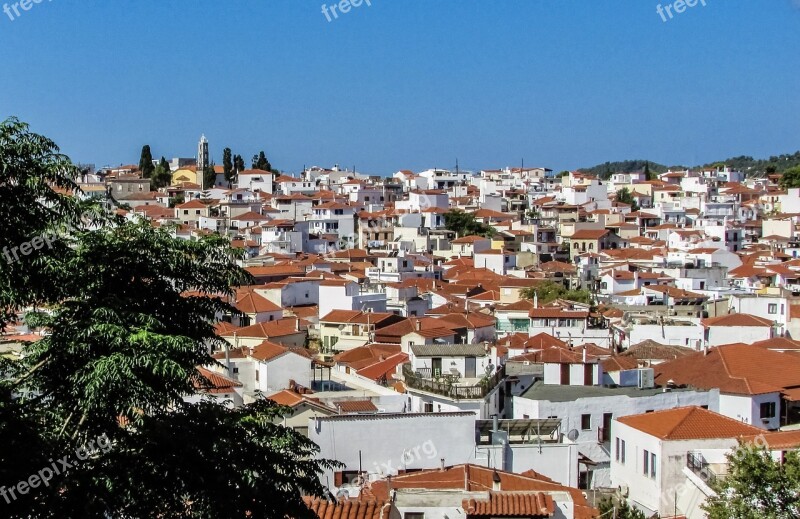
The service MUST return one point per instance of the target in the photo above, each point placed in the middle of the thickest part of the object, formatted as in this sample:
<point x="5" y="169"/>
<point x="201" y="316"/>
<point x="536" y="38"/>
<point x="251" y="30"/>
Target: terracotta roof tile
<point x="734" y="368"/>
<point x="510" y="504"/>
<point x="348" y="509"/>
<point x="688" y="423"/>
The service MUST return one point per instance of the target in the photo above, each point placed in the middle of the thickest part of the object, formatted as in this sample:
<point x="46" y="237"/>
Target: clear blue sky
<point x="407" y="84"/>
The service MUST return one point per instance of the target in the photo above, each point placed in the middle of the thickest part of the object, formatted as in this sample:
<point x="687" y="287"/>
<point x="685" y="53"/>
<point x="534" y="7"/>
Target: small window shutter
<point x="337" y="479"/>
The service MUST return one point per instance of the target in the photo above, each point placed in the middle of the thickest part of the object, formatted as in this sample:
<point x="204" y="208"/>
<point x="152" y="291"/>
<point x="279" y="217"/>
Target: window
<point x="622" y="452"/>
<point x="428" y="407"/>
<point x="653" y="465"/>
<point x="349" y="477"/>
<point x="646" y="463"/>
<point x="768" y="410"/>
<point x="772" y="308"/>
<point x="257" y="371"/>
<point x="413" y="515"/>
<point x="616" y="449"/>
<point x="586" y="422"/>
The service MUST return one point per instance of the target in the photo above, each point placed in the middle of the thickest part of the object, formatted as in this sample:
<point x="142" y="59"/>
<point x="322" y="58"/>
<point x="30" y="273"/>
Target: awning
<point x="792" y="395"/>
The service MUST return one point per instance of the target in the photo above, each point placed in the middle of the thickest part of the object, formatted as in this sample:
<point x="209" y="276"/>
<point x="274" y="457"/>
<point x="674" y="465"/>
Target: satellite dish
<point x="573" y="435"/>
<point x="342" y="494"/>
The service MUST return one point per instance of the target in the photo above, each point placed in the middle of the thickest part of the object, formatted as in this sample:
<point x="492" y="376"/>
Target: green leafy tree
<point x="162" y="177"/>
<point x="756" y="486"/>
<point x="620" y="510"/>
<point x="624" y="195"/>
<point x="648" y="175"/>
<point x="146" y="162"/>
<point x="260" y="162"/>
<point x="238" y="166"/>
<point x="564" y="173"/>
<point x="227" y="165"/>
<point x="130" y="312"/>
<point x="548" y="291"/>
<point x="790" y="178"/>
<point x="209" y="176"/>
<point x="465" y="224"/>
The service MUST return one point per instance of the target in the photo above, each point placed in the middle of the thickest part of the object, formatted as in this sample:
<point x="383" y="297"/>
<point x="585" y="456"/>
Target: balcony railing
<point x="446" y="385"/>
<point x="697" y="464"/>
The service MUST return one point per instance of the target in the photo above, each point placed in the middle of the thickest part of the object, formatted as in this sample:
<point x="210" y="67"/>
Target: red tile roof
<point x="736" y="320"/>
<point x="510" y="504"/>
<point x="215" y="382"/>
<point x="589" y="234"/>
<point x="734" y="368"/>
<point x="279" y="328"/>
<point x="688" y="423"/>
<point x="356" y="406"/>
<point x="267" y="351"/>
<point x="349" y="509"/>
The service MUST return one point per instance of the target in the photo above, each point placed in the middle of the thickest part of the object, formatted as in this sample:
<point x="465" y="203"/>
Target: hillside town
<point x="510" y="342"/>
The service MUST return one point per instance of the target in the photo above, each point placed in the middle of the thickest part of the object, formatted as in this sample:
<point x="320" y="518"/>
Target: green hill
<point x="749" y="165"/>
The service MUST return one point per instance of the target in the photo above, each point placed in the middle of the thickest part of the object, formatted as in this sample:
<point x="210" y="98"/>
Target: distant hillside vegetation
<point x="750" y="166"/>
<point x="758" y="167"/>
<point x="626" y="166"/>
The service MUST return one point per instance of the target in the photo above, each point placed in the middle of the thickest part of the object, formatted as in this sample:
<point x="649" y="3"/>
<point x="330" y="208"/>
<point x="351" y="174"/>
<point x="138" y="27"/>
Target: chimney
<point x="496" y="486"/>
<point x="535" y="300"/>
<point x="584" y="354"/>
<point x="418" y="325"/>
<point x="441" y="466"/>
<point x="297" y="324"/>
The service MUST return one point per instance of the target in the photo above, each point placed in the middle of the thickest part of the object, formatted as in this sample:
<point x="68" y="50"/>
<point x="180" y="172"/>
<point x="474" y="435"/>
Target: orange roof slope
<point x="734" y="368"/>
<point x="348" y="509"/>
<point x="688" y="423"/>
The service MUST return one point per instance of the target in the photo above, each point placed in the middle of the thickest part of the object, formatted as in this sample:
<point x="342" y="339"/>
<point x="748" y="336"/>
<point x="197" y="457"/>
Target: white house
<point x="756" y="386"/>
<point x="731" y="328"/>
<point x="589" y="411"/>
<point x="662" y="460"/>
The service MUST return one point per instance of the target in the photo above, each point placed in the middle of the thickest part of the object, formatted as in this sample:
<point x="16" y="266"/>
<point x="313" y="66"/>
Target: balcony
<point x="709" y="472"/>
<point x="446" y="386"/>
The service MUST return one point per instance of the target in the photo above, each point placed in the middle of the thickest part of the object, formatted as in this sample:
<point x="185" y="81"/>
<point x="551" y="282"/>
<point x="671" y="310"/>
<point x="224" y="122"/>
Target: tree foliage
<point x="756" y="167"/>
<point x="227" y="165"/>
<point x="606" y="169"/>
<point x="130" y="312"/>
<point x="209" y="176"/>
<point x="757" y="486"/>
<point x="162" y="176"/>
<point x="624" y="195"/>
<point x="238" y="164"/>
<point x="146" y="162"/>
<point x="260" y="162"/>
<point x="465" y="224"/>
<point x="790" y="178"/>
<point x="548" y="291"/>
<point x="620" y="510"/>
